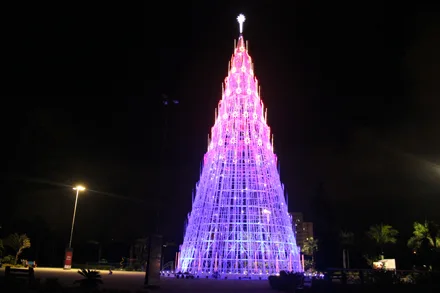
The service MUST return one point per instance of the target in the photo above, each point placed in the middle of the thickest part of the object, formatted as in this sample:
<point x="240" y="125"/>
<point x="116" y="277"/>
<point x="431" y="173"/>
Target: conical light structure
<point x="239" y="223"/>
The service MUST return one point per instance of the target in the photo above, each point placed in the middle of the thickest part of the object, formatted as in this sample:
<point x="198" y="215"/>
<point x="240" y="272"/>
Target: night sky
<point x="352" y="93"/>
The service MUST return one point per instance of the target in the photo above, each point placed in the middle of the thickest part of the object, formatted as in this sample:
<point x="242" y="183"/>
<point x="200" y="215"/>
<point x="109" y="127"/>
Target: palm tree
<point x="346" y="239"/>
<point x="310" y="246"/>
<point x="425" y="241"/>
<point x="434" y="233"/>
<point x="18" y="243"/>
<point x="421" y="234"/>
<point x="382" y="235"/>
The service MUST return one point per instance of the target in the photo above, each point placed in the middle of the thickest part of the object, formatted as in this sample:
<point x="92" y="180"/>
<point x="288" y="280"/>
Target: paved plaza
<point x="134" y="281"/>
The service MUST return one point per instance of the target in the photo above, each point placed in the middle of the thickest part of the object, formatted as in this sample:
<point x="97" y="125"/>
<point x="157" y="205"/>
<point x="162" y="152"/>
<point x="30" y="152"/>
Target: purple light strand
<point x="239" y="223"/>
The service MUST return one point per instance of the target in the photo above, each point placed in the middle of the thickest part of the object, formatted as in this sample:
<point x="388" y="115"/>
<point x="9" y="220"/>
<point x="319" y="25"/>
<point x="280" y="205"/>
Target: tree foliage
<point x="424" y="233"/>
<point x="434" y="233"/>
<point x="310" y="246"/>
<point x="383" y="234"/>
<point x="18" y="243"/>
<point x="346" y="238"/>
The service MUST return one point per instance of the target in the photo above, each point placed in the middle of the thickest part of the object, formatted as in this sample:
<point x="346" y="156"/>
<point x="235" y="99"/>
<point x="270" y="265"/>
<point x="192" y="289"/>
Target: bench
<point x="11" y="273"/>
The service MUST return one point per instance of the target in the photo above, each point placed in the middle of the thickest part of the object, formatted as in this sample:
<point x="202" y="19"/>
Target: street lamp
<point x="78" y="189"/>
<point x="69" y="250"/>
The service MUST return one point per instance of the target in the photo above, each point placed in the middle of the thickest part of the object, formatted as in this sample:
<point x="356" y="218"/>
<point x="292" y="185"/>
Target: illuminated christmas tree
<point x="239" y="223"/>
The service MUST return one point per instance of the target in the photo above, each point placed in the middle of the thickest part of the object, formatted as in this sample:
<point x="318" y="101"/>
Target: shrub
<point x="91" y="279"/>
<point x="384" y="277"/>
<point x="8" y="260"/>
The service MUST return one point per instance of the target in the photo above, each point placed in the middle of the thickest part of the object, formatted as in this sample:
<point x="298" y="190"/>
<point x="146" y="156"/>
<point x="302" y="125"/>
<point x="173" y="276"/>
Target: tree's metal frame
<point x="239" y="223"/>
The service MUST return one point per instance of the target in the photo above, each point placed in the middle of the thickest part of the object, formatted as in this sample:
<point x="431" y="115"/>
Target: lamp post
<point x="78" y="189"/>
<point x="69" y="250"/>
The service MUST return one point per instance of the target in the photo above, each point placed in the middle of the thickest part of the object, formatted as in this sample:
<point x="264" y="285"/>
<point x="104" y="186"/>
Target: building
<point x="303" y="230"/>
<point x="239" y="224"/>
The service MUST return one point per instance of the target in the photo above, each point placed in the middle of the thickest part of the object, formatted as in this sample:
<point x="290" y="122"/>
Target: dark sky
<point x="351" y="90"/>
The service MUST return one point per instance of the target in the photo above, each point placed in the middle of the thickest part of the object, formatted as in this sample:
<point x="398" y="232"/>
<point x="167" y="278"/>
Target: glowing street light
<point x="78" y="188"/>
<point x="69" y="250"/>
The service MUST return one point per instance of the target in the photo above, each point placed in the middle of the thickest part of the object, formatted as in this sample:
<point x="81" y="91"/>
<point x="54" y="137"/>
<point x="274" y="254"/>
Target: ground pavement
<point x="134" y="281"/>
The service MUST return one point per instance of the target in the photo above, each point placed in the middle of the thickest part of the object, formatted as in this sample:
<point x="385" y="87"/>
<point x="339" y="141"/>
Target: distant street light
<point x="78" y="189"/>
<point x="69" y="250"/>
